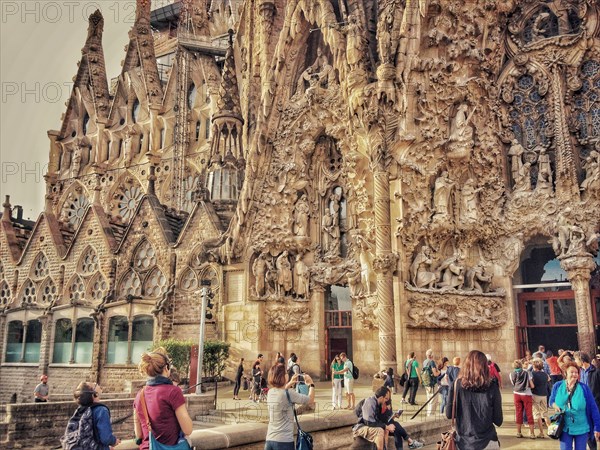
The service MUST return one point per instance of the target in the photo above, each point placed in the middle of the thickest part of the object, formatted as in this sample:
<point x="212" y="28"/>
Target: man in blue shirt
<point x="369" y="425"/>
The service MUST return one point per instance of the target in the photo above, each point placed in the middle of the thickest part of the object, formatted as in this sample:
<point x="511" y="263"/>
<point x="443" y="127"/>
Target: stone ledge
<point x="329" y="430"/>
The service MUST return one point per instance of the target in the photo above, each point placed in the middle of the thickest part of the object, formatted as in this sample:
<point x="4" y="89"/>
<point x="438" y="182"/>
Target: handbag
<point x="448" y="441"/>
<point x="304" y="440"/>
<point x="403" y="379"/>
<point x="182" y="444"/>
<point x="245" y="384"/>
<point x="558" y="420"/>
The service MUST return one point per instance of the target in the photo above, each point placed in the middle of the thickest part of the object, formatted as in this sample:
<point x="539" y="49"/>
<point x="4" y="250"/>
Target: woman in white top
<point x="280" y="432"/>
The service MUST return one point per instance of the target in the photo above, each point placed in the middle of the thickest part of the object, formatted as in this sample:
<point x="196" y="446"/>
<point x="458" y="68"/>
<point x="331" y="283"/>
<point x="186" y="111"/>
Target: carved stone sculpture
<point x="442" y="201"/>
<point x="468" y="202"/>
<point x="460" y="141"/>
<point x="523" y="181"/>
<point x="452" y="273"/>
<point x="477" y="280"/>
<point x="259" y="270"/>
<point x="284" y="273"/>
<point x="301" y="277"/>
<point x="591" y="165"/>
<point x="326" y="226"/>
<point x="301" y="214"/>
<point x="282" y="317"/>
<point x="420" y="270"/>
<point x="544" y="181"/>
<point x="516" y="159"/>
<point x="76" y="161"/>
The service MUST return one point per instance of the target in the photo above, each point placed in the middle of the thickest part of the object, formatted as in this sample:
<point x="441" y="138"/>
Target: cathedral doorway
<point x="338" y="324"/>
<point x="547" y="312"/>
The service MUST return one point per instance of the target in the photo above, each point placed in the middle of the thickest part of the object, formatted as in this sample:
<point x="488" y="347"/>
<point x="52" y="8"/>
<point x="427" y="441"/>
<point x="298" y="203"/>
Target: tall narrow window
<point x="14" y="341"/>
<point x="33" y="341"/>
<point x="118" y="331"/>
<point x="84" y="341"/>
<point x="198" y="125"/>
<point x="207" y="129"/>
<point x="63" y="335"/>
<point x="141" y="339"/>
<point x="135" y="111"/>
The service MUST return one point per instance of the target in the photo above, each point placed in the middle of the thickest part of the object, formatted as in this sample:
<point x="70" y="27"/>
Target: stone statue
<point x="477" y="280"/>
<point x="516" y="159"/>
<point x="326" y="225"/>
<point x="301" y="214"/>
<point x="259" y="270"/>
<point x="284" y="273"/>
<point x="320" y="72"/>
<point x="468" y="202"/>
<point x="460" y="140"/>
<point x="539" y="26"/>
<point x="76" y="161"/>
<point x="544" y="181"/>
<point x="442" y="197"/>
<point x="420" y="273"/>
<point x="271" y="279"/>
<point x="335" y="233"/>
<point x="301" y="277"/>
<point x="452" y="273"/>
<point x="591" y="165"/>
<point x="523" y="182"/>
<point x="355" y="42"/>
<point x="355" y="284"/>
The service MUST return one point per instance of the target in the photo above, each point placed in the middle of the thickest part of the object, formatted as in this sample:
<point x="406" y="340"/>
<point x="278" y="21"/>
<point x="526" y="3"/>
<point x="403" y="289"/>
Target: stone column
<point x="385" y="261"/>
<point x="578" y="270"/>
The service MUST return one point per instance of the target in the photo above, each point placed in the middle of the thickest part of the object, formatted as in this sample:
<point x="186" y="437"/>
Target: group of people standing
<point x="568" y="383"/>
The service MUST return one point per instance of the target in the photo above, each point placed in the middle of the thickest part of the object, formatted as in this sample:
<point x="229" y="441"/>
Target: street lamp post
<point x="204" y="292"/>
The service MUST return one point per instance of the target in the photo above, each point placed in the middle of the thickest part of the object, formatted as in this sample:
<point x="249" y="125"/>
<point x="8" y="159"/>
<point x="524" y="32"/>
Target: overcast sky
<point x="40" y="44"/>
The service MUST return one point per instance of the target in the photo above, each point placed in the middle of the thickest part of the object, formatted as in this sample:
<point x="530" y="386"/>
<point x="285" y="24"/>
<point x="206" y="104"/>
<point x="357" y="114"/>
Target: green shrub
<point x="179" y="351"/>
<point x="216" y="354"/>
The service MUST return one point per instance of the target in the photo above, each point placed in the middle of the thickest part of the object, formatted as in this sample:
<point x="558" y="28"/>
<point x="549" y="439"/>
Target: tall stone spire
<point x="227" y="120"/>
<point x="140" y="53"/>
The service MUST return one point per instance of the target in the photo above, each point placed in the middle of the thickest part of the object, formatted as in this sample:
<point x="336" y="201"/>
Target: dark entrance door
<point x="549" y="319"/>
<point x="338" y="334"/>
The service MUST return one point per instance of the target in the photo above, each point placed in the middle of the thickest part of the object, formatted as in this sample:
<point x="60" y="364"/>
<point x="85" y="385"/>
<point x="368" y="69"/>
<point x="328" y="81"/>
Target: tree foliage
<point x="179" y="351"/>
<point x="216" y="354"/>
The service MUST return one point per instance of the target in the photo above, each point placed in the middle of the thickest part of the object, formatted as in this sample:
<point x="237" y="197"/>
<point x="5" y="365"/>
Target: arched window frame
<point x="23" y="341"/>
<point x="73" y="345"/>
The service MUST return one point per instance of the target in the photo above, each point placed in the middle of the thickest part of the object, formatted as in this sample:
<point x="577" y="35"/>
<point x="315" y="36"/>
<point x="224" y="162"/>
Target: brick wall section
<point x="50" y="419"/>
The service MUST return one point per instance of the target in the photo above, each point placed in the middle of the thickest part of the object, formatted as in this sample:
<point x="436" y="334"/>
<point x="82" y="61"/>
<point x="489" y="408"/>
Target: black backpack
<point x="358" y="409"/>
<point x="81" y="430"/>
<point x="355" y="372"/>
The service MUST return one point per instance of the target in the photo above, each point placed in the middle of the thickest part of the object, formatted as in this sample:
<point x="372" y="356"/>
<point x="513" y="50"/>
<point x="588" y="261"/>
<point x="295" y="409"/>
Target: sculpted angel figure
<point x="284" y="273"/>
<point x="452" y="273"/>
<point x="301" y="213"/>
<point x="301" y="277"/>
<point x="259" y="270"/>
<point x="442" y="195"/>
<point x="516" y="158"/>
<point x="591" y="165"/>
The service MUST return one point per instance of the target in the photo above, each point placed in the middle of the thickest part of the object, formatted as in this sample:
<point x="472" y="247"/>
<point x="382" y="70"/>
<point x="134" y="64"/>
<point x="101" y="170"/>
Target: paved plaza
<point x="230" y="411"/>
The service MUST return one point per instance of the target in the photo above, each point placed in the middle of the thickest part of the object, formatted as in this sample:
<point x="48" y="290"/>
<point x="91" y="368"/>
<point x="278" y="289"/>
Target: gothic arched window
<point x="130" y="285"/>
<point x="28" y="293"/>
<point x="155" y="284"/>
<point x="587" y="102"/>
<point x="223" y="183"/>
<point x="145" y="257"/>
<point x="527" y="114"/>
<point x="76" y="290"/>
<point x="189" y="280"/>
<point x="89" y="262"/>
<point x="41" y="267"/>
<point x="4" y="294"/>
<point x="135" y="110"/>
<point x="98" y="288"/>
<point x="49" y="292"/>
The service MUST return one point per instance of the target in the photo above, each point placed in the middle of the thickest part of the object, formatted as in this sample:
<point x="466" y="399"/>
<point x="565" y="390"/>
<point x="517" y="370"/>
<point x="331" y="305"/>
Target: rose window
<point x="89" y="263"/>
<point x="41" y="267"/>
<point x="49" y="293"/>
<point x="128" y="202"/>
<point x="28" y="293"/>
<point x="145" y="257"/>
<point x="76" y="209"/>
<point x="99" y="288"/>
<point x="156" y="284"/>
<point x="189" y="281"/>
<point x="4" y="294"/>
<point x="77" y="290"/>
<point x="130" y="285"/>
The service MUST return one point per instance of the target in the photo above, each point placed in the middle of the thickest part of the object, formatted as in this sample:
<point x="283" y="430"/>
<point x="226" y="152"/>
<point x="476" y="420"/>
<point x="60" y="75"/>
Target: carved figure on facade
<point x="355" y="42"/>
<point x="259" y="270"/>
<point x="319" y="74"/>
<point x="355" y="284"/>
<point x="301" y="215"/>
<point x="76" y="160"/>
<point x="544" y="180"/>
<point x="523" y="181"/>
<point x="460" y="140"/>
<point x="420" y="270"/>
<point x="591" y="165"/>
<point x="452" y="273"/>
<point x="477" y="280"/>
<point x="284" y="274"/>
<point x="301" y="277"/>
<point x="516" y="152"/>
<point x="442" y="198"/>
<point x="469" y="207"/>
<point x="326" y="226"/>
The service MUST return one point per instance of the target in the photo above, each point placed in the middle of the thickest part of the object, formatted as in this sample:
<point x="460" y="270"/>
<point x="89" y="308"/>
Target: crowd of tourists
<point x="545" y="386"/>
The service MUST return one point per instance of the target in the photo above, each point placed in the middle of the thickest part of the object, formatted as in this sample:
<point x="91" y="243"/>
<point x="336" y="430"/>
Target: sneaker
<point x="403" y="401"/>
<point x="519" y="435"/>
<point x="531" y="436"/>
<point x="541" y="436"/>
<point x="415" y="444"/>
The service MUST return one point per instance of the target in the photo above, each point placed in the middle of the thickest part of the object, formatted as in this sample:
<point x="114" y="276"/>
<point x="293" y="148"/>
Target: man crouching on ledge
<point x="369" y="426"/>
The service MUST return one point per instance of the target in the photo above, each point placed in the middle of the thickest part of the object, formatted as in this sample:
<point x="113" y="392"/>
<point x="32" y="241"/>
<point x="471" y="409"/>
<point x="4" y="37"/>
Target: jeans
<point x="411" y="384"/>
<point x="336" y="395"/>
<point x="274" y="445"/>
<point x="444" y="393"/>
<point x="236" y="389"/>
<point x="400" y="435"/>
<point x="566" y="441"/>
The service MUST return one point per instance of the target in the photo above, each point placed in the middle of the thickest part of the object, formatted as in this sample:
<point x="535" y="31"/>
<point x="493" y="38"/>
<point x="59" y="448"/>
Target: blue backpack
<point x="81" y="430"/>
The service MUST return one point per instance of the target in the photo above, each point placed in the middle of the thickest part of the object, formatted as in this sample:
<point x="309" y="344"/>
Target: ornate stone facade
<point x="409" y="150"/>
